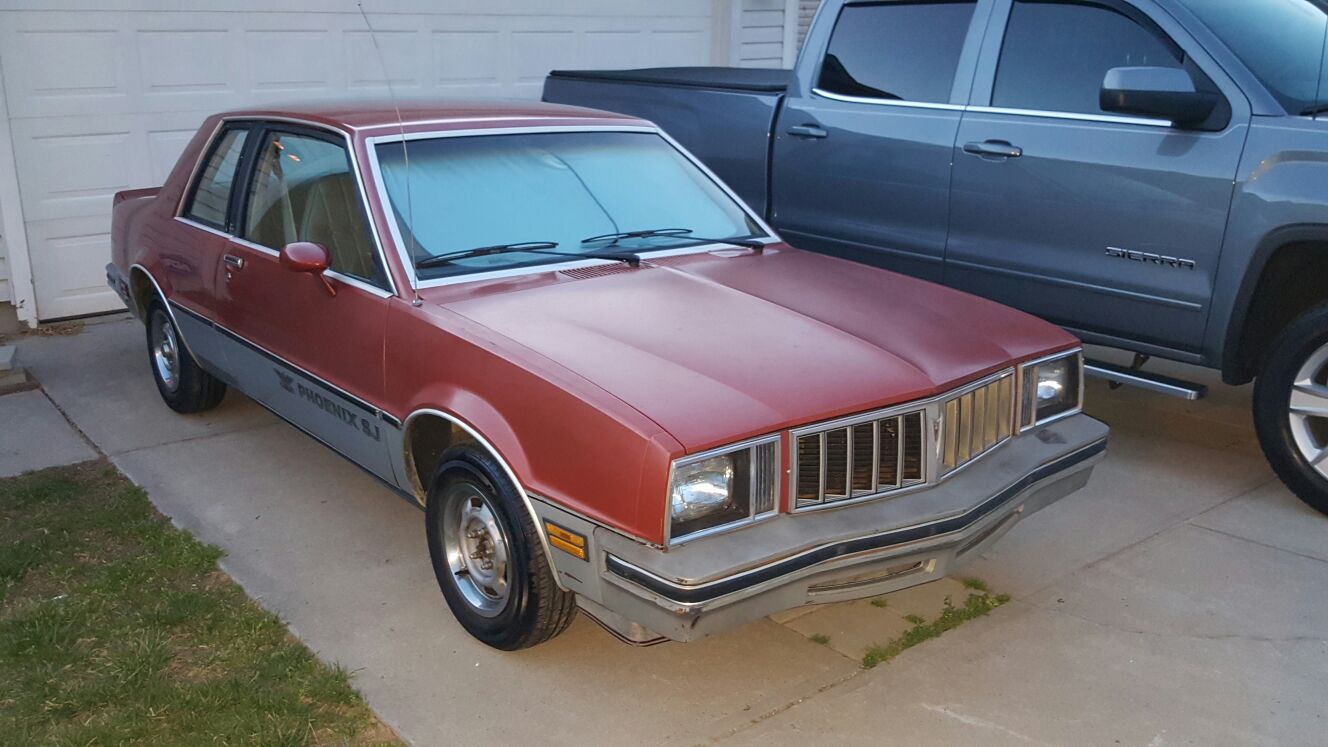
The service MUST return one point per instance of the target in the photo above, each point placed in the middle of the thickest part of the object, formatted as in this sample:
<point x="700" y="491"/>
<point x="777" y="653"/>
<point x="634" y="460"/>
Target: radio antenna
<point x="401" y="127"/>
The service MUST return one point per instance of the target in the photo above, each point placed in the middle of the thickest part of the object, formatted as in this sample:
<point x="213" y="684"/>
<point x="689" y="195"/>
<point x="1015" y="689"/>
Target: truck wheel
<point x="487" y="556"/>
<point x="184" y="385"/>
<point x="1291" y="407"/>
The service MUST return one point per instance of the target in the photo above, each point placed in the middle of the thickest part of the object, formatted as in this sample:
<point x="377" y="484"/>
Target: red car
<point x="605" y="379"/>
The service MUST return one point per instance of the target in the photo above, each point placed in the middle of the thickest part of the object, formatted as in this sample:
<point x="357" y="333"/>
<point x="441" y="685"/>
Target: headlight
<point x="1052" y="387"/>
<point x="723" y="489"/>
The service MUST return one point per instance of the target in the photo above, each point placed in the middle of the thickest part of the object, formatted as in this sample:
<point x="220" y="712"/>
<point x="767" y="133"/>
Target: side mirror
<point x="1165" y="92"/>
<point x="304" y="256"/>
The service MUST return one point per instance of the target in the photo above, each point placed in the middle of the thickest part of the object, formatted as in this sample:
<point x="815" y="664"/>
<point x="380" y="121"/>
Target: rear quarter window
<point x="209" y="200"/>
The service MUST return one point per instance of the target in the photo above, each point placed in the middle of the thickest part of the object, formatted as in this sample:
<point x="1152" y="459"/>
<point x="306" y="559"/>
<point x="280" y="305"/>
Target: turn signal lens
<point x="568" y="541"/>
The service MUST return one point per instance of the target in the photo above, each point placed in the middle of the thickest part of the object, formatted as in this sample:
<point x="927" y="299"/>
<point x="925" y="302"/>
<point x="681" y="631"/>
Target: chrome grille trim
<point x="908" y="444"/>
<point x="975" y="421"/>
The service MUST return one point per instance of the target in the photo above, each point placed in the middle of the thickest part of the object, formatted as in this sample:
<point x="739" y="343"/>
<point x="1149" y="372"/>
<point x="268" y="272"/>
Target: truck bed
<point x="723" y="115"/>
<point x="758" y="79"/>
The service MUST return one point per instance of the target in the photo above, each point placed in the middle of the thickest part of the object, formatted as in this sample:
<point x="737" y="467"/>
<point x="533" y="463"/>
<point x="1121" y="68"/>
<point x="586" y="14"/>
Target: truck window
<point x="1055" y="54"/>
<point x="900" y="51"/>
<point x="212" y="191"/>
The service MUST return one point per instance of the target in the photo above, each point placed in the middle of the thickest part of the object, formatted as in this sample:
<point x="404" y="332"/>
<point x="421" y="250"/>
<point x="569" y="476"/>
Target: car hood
<point x="719" y="346"/>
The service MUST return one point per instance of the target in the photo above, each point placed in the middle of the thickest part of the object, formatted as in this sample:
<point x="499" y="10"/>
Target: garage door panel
<point x="68" y="267"/>
<point x="291" y="61"/>
<point x="106" y="100"/>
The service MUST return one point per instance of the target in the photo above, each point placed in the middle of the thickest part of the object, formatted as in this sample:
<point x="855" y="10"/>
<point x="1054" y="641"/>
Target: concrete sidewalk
<point x="1182" y="597"/>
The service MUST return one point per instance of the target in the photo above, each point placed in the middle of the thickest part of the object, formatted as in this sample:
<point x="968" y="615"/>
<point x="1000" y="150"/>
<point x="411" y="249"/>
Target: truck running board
<point x="1144" y="380"/>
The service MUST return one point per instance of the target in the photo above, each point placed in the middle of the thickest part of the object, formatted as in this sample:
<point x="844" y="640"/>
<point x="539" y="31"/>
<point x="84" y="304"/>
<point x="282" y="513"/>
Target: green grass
<point x="881" y="602"/>
<point x="820" y="638"/>
<point x="117" y="628"/>
<point x="978" y="604"/>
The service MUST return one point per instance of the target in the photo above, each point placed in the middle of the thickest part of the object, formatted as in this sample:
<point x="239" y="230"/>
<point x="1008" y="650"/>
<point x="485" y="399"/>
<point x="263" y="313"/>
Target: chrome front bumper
<point x="644" y="594"/>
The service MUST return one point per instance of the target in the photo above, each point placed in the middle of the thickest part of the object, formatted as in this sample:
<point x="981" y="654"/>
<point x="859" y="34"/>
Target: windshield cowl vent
<point x="585" y="273"/>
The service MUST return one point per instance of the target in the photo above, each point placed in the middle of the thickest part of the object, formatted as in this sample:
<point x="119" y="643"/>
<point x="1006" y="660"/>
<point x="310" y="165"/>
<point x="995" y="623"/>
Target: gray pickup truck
<point x="1150" y="174"/>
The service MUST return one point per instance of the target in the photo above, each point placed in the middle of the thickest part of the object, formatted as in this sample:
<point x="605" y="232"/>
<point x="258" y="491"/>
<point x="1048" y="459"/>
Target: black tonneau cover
<point x="760" y="79"/>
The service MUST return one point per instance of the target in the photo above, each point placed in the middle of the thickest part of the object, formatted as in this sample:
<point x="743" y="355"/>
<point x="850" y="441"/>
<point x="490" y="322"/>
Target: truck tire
<point x="1291" y="407"/>
<point x="488" y="557"/>
<point x="184" y="386"/>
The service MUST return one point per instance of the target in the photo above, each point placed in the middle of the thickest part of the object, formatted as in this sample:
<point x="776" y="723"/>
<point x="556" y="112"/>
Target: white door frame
<point x="11" y="222"/>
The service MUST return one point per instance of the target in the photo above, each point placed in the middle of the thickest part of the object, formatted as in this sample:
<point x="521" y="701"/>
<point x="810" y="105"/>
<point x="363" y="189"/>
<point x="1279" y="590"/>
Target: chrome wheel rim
<point x="166" y="356"/>
<point x="1308" y="411"/>
<point x="477" y="549"/>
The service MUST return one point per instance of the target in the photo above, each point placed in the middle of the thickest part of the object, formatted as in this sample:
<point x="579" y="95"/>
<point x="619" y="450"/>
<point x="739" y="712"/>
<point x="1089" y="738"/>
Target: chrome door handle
<point x="993" y="148"/>
<point x="807" y="131"/>
<point x="233" y="262"/>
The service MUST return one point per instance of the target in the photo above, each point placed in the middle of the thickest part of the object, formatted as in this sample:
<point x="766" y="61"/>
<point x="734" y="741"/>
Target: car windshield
<point x="552" y="188"/>
<point x="1280" y="41"/>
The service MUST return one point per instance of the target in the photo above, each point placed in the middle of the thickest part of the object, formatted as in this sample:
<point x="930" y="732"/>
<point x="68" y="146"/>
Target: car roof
<point x="446" y="114"/>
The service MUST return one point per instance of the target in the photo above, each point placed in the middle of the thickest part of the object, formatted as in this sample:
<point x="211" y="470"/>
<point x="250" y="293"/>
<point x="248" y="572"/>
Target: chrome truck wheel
<point x="1308" y="410"/>
<point x="1291" y="407"/>
<point x="487" y="554"/>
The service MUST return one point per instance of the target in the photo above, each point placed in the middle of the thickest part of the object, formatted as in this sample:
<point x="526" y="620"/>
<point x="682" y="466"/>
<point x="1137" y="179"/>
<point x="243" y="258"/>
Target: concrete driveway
<point x="1181" y="598"/>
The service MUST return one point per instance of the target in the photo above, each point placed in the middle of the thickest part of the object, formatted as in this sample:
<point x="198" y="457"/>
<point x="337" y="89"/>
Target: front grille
<point x="975" y="422"/>
<point x="876" y="454"/>
<point x="865" y="458"/>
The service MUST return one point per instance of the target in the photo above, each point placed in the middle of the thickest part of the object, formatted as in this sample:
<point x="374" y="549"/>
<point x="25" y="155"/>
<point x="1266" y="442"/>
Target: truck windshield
<point x="555" y="189"/>
<point x="1280" y="41"/>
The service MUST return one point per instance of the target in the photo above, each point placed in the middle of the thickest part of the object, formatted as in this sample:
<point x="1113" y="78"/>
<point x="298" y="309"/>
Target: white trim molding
<point x="22" y="293"/>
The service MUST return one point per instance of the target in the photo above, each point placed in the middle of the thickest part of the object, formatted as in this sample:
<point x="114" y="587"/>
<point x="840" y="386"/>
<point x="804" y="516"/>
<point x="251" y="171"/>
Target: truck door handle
<point x="233" y="262"/>
<point x="996" y="148"/>
<point x="807" y="131"/>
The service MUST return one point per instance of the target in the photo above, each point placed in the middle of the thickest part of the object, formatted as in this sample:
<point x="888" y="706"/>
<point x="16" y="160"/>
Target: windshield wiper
<point x="531" y="247"/>
<point x="682" y="233"/>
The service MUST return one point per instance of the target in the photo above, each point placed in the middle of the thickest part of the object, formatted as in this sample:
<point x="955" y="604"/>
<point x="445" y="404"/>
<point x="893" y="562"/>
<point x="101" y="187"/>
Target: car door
<point x="204" y="227"/>
<point x="863" y="145"/>
<point x="1109" y="225"/>
<point x="311" y="351"/>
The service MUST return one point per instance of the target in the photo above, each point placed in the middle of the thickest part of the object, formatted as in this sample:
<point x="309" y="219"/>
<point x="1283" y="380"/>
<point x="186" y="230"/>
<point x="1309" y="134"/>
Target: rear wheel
<point x="488" y="557"/>
<point x="183" y="384"/>
<point x="1291" y="407"/>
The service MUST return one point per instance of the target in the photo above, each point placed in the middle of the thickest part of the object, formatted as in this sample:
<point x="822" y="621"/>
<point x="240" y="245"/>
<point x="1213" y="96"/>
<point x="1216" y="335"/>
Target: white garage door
<point x="103" y="94"/>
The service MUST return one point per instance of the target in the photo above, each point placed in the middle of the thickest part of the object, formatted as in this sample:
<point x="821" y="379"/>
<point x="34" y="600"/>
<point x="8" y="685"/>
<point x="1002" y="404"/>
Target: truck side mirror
<point x="1165" y="92"/>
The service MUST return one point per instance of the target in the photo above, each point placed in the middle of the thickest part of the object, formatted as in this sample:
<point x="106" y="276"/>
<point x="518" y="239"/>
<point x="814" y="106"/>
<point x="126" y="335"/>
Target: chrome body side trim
<point x="1074" y="116"/>
<point x="170" y="306"/>
<point x="507" y="469"/>
<point x="887" y="102"/>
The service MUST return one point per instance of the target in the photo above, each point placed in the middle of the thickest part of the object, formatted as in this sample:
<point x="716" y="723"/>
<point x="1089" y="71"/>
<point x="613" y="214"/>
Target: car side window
<point x="208" y="203"/>
<point x="303" y="190"/>
<point x="903" y="51"/>
<point x="1056" y="54"/>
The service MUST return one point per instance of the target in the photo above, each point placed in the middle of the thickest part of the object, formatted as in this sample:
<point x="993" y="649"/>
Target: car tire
<point x="183" y="384"/>
<point x="1292" y="387"/>
<point x="474" y="517"/>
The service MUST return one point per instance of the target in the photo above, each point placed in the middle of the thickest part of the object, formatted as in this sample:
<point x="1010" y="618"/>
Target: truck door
<point x="1108" y="225"/>
<point x="863" y="146"/>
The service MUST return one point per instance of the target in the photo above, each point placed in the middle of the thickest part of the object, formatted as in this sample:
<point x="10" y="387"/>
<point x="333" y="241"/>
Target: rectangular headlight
<point x="1052" y="387"/>
<point x="722" y="489"/>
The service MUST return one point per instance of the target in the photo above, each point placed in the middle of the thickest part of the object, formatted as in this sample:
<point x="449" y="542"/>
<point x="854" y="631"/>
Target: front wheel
<point x="487" y="555"/>
<point x="184" y="386"/>
<point x="1291" y="407"/>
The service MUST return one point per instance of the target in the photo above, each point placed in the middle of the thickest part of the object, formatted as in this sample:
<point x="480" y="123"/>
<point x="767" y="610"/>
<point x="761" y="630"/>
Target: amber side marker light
<point x="569" y="542"/>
